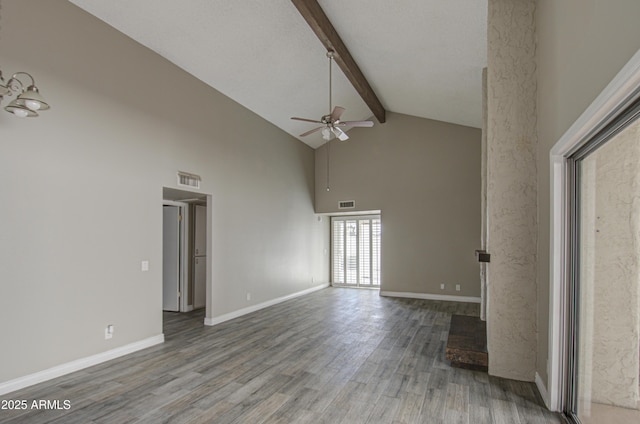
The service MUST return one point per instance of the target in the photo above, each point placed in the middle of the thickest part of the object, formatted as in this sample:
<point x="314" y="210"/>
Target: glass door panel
<point x="606" y="286"/>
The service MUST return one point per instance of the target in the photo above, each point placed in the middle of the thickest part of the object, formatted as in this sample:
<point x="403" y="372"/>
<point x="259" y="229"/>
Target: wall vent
<point x="347" y="204"/>
<point x="188" y="180"/>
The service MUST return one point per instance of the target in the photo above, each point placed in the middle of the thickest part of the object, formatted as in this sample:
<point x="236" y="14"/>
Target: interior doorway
<point x="186" y="256"/>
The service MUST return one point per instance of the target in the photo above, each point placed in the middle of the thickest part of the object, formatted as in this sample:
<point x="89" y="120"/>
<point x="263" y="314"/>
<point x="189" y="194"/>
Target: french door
<point x="355" y="251"/>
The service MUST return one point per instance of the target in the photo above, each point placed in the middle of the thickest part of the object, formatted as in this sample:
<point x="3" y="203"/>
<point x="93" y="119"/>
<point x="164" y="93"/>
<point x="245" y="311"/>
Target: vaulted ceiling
<point x="421" y="57"/>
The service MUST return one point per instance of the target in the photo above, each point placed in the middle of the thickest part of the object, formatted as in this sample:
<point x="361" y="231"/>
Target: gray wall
<point x="424" y="176"/>
<point x="81" y="190"/>
<point x="581" y="46"/>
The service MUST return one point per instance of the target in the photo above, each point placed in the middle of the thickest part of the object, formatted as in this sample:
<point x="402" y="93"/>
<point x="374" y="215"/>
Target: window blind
<point x="355" y="246"/>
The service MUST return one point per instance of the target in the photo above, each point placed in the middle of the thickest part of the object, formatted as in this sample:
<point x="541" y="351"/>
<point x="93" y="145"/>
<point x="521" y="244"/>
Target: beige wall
<point x="424" y="176"/>
<point x="582" y="44"/>
<point x="81" y="191"/>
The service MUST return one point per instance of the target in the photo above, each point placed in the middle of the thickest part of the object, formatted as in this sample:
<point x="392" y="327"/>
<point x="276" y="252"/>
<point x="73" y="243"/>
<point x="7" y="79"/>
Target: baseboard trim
<point x="542" y="389"/>
<point x="428" y="296"/>
<point x="77" y="365"/>
<point x="254" y="308"/>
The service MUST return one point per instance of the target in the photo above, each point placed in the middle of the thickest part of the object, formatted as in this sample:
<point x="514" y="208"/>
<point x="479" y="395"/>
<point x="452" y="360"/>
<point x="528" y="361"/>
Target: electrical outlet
<point x="108" y="332"/>
<point x="248" y="296"/>
<point x="457" y="287"/>
<point x="144" y="266"/>
<point x="442" y="286"/>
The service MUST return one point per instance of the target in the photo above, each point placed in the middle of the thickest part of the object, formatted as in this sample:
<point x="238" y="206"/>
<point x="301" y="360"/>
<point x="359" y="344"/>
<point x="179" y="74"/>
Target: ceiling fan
<point x="331" y="123"/>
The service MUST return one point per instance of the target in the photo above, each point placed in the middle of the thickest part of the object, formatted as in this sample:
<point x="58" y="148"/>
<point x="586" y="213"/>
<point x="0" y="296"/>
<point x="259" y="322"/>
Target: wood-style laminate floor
<point x="334" y="356"/>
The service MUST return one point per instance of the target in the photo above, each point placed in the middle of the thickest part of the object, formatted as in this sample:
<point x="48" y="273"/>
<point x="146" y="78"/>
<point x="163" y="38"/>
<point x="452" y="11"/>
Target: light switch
<point x="144" y="266"/>
<point x="108" y="332"/>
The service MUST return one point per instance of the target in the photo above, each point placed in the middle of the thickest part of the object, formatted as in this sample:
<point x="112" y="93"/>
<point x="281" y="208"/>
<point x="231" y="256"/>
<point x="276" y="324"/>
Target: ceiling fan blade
<point x="356" y="123"/>
<point x="342" y="136"/>
<point x="337" y="112"/>
<point x="310" y="132"/>
<point x="306" y="120"/>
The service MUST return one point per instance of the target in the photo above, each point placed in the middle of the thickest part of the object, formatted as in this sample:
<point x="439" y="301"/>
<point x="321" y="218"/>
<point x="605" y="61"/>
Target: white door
<point x="170" y="258"/>
<point x="199" y="279"/>
<point x="200" y="257"/>
<point x="200" y="242"/>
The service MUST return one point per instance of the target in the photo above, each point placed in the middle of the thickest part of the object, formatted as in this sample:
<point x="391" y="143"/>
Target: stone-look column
<point x="511" y="189"/>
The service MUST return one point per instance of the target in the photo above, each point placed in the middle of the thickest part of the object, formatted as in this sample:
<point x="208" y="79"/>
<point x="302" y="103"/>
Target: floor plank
<point x="337" y="355"/>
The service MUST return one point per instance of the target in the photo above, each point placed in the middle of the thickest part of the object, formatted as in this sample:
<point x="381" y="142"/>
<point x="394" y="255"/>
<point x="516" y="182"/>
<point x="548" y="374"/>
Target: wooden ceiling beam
<point x="320" y="24"/>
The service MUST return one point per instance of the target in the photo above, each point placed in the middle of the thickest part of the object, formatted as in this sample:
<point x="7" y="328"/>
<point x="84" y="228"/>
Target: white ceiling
<point x="422" y="57"/>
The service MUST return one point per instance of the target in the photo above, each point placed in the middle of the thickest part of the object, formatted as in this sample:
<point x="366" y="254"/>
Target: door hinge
<point x="179" y="217"/>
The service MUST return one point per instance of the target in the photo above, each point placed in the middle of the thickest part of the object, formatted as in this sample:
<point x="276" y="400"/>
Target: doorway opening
<point x="186" y="253"/>
<point x="355" y="251"/>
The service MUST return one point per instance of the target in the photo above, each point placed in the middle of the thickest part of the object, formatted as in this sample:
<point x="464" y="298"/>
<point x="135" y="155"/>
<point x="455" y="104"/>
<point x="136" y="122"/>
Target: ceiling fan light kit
<point x="331" y="122"/>
<point x="29" y="101"/>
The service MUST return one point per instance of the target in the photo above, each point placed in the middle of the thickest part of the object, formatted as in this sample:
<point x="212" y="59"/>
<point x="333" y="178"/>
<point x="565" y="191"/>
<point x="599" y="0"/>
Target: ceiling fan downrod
<point x="330" y="54"/>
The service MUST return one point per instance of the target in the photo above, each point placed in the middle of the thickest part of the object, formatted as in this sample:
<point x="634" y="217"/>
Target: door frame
<point x="183" y="277"/>
<point x="358" y="216"/>
<point x="620" y="93"/>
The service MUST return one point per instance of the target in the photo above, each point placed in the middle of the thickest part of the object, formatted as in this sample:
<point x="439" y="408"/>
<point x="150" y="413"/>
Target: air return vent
<point x="346" y="204"/>
<point x="188" y="180"/>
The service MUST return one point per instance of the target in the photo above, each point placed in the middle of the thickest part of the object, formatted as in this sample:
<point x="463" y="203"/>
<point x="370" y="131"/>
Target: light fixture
<point x="331" y="122"/>
<point x="28" y="102"/>
<point x="342" y="136"/>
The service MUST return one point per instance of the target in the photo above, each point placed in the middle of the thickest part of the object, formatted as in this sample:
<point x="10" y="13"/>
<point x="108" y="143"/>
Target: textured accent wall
<point x="511" y="189"/>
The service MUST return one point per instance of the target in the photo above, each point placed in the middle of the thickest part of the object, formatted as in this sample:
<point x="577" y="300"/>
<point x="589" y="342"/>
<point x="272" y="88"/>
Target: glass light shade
<point x="19" y="110"/>
<point x="342" y="136"/>
<point x="326" y="134"/>
<point x="20" y="113"/>
<point x="33" y="104"/>
<point x="32" y="99"/>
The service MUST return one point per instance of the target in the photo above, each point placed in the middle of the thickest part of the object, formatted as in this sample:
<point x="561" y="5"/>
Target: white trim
<point x="352" y="213"/>
<point x="618" y="92"/>
<point x="254" y="308"/>
<point x="77" y="365"/>
<point x="428" y="296"/>
<point x="615" y="94"/>
<point x="542" y="389"/>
